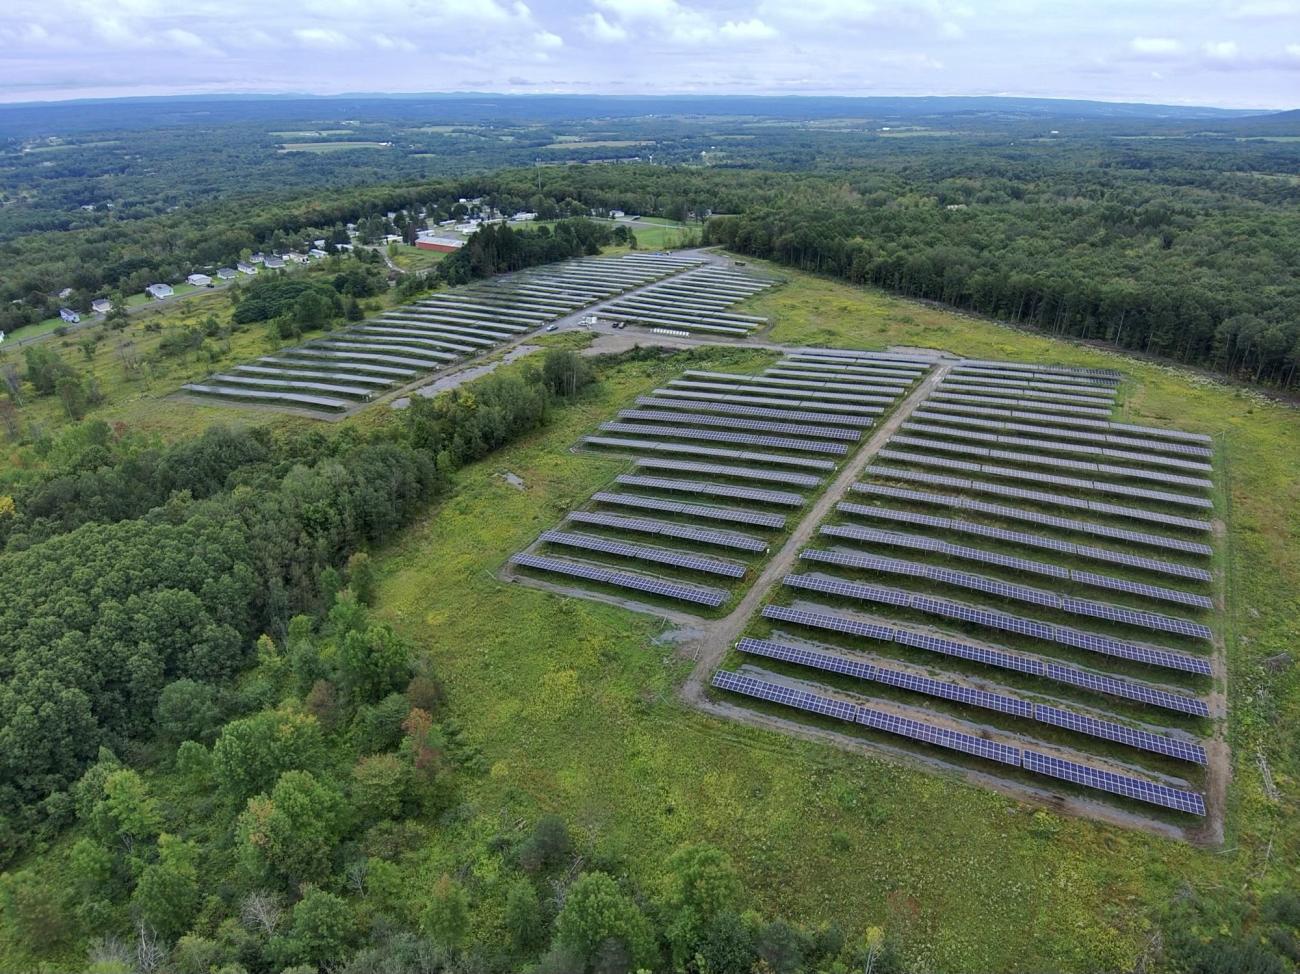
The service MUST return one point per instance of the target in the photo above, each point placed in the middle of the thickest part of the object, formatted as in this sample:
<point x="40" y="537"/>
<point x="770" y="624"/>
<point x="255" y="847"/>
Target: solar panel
<point x="744" y="399"/>
<point x="1025" y="390"/>
<point x="979" y="583"/>
<point x="809" y="394"/>
<point x="732" y="422"/>
<point x="805" y="363"/>
<point x="1110" y="375"/>
<point x="669" y="529"/>
<point x="714" y="490"/>
<point x="951" y="413"/>
<point x="1127" y="689"/>
<point x="1005" y="622"/>
<point x="727" y="470"/>
<point x="713" y="436"/>
<point x="1120" y="734"/>
<point x="869" y="717"/>
<point x="1062" y="388"/>
<point x="1116" y="784"/>
<point x="1096" y="683"/>
<point x="1042" y="497"/>
<point x="941" y="425"/>
<point x="823" y="380"/>
<point x="294" y="398"/>
<point x="678" y="559"/>
<point x="700" y="595"/>
<point x="734" y="515"/>
<point x="997" y="372"/>
<point x="1034" y="459"/>
<point x="687" y="449"/>
<point x="786" y="415"/>
<point x="1068" y="408"/>
<point x="1035" y="541"/>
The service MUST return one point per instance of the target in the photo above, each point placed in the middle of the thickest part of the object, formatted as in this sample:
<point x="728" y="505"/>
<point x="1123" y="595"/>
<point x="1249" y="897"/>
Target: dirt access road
<point x="718" y="636"/>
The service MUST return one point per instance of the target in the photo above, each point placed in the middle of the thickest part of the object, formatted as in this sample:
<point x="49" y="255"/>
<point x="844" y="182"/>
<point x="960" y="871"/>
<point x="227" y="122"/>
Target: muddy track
<point x="719" y="635"/>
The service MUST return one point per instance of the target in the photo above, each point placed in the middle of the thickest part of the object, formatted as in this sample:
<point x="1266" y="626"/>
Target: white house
<point x="160" y="291"/>
<point x="258" y="258"/>
<point x="296" y="257"/>
<point x="319" y="243"/>
<point x="199" y="280"/>
<point x="65" y="294"/>
<point x="101" y="306"/>
<point x="244" y="267"/>
<point x="68" y="315"/>
<point x="343" y="247"/>
<point x="523" y="217"/>
<point x="273" y="261"/>
<point x="317" y="253"/>
<point x="226" y="273"/>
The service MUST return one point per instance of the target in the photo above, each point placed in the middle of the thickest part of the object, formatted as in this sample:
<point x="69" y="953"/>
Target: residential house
<point x="199" y="280"/>
<point x="346" y="248"/>
<point x="226" y="273"/>
<point x="160" y="291"/>
<point x="296" y="257"/>
<point x="68" y="315"/>
<point x="244" y="267"/>
<point x="65" y="294"/>
<point x="271" y="261"/>
<point x="258" y="258"/>
<point x="101" y="306"/>
<point x="317" y="253"/>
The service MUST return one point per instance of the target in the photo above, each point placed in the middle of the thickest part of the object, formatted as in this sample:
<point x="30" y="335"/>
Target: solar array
<point x="1028" y="459"/>
<point x="665" y="435"/>
<point x="937" y="735"/>
<point x="1002" y="703"/>
<point x="669" y="529"/>
<point x="352" y="366"/>
<point x="1039" y="497"/>
<point x="1004" y="622"/>
<point x="1018" y="593"/>
<point x="1098" y="683"/>
<point x="694" y="302"/>
<point x="965" y="553"/>
<point x="638" y="552"/>
<point x="699" y="595"/>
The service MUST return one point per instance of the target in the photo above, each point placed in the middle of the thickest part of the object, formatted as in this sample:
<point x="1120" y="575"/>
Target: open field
<point x="332" y="146"/>
<point x="972" y="880"/>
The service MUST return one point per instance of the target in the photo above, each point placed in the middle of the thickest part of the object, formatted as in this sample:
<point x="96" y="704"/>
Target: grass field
<point x="332" y="146"/>
<point x="573" y="702"/>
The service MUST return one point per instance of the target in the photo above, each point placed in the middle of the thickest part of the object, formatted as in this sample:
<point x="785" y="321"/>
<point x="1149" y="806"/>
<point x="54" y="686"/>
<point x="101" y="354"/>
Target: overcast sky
<point x="1237" y="54"/>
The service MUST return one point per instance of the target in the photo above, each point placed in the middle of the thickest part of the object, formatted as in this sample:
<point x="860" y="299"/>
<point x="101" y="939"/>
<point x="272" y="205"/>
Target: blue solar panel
<point x="731" y="470"/>
<point x="714" y="436"/>
<point x="1004" y="621"/>
<point x="663" y="556"/>
<point x="711" y="597"/>
<point x="1116" y="784"/>
<point x="1111" y="731"/>
<point x="713" y="490"/>
<point x="669" y="529"/>
<point x="755" y="518"/>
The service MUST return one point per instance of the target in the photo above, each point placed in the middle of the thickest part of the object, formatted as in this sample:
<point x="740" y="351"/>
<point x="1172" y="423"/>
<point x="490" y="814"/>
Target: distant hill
<point x="69" y="117"/>
<point x="1274" y="124"/>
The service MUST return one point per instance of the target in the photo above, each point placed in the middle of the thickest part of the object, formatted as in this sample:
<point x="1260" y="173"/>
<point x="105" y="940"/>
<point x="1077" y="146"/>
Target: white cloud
<point x="747" y="30"/>
<point x="547" y="41"/>
<point x="1155" y="46"/>
<point x="1293" y="50"/>
<point x="386" y="43"/>
<point x="322" y="37"/>
<point x="669" y="19"/>
<point x="1222" y="50"/>
<point x="596" y="27"/>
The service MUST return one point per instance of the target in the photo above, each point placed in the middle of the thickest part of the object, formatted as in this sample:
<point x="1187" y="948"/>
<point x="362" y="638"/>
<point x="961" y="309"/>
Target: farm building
<point x="443" y="245"/>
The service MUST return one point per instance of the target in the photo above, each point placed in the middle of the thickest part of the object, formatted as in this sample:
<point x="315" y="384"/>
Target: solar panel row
<point x="1037" y="496"/>
<point x="1005" y="622"/>
<point x="734" y="515"/>
<point x="759" y="412"/>
<point x="1050" y="544"/>
<point x="959" y="693"/>
<point x="760" y="495"/>
<point x="1017" y="662"/>
<point x="699" y="595"/>
<point x="1108" y="781"/>
<point x="663" y="556"/>
<point x="718" y="453"/>
<point x="1019" y="593"/>
<point x="731" y="470"/>
<point x="670" y="529"/>
<point x="713" y="436"/>
<point x="732" y="422"/>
